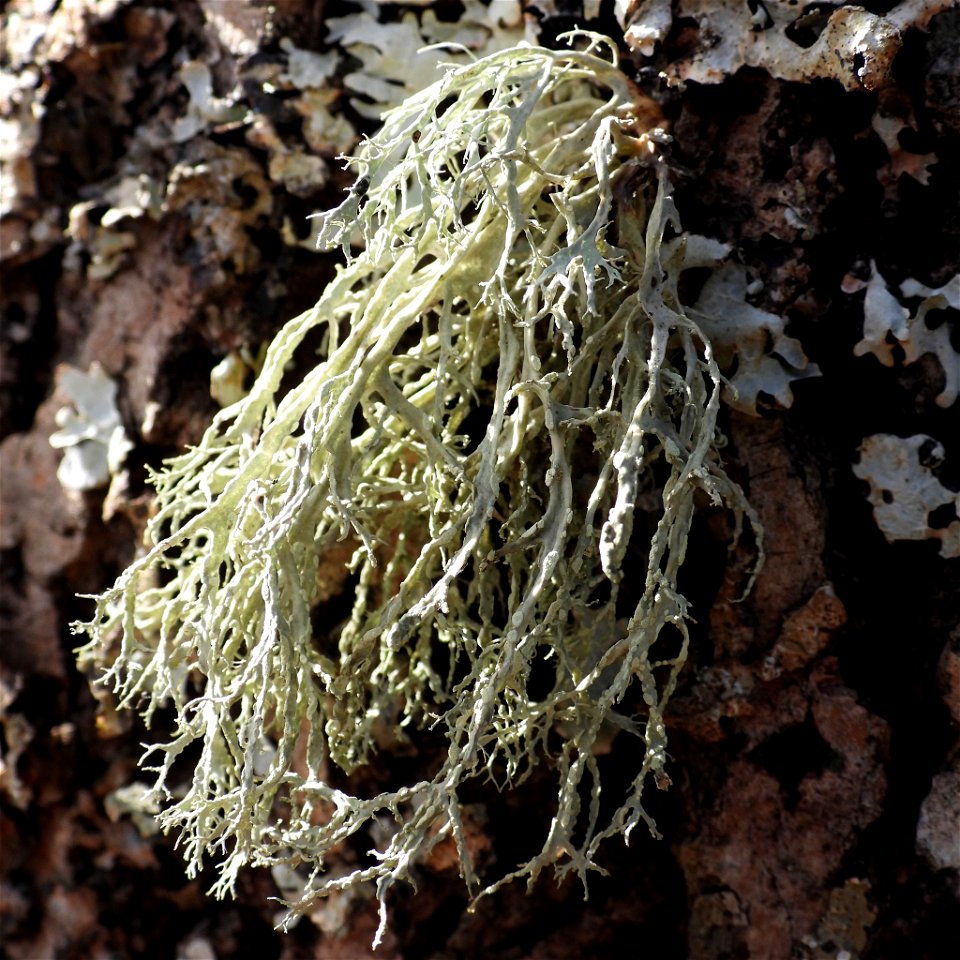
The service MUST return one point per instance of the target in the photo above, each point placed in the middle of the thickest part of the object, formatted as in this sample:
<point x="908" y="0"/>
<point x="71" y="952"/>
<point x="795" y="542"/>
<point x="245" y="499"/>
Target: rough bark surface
<point x="815" y="805"/>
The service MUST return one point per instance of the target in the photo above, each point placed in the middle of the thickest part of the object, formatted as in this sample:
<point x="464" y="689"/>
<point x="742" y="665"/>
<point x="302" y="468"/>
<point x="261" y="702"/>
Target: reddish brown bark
<point x="814" y="806"/>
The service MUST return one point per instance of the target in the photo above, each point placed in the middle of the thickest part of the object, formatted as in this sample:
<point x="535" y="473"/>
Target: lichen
<point x="840" y="40"/>
<point x="400" y="57"/>
<point x="502" y="383"/>
<point x="887" y="323"/>
<point x="91" y="432"/>
<point x="905" y="491"/>
<point x="750" y="344"/>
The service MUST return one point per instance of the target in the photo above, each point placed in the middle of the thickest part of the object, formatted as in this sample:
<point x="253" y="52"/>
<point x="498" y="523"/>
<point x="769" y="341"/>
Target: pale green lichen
<point x="500" y="387"/>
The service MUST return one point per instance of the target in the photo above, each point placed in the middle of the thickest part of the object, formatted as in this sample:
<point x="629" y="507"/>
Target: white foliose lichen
<point x="750" y="344"/>
<point x="91" y="433"/>
<point x="904" y="490"/>
<point x="887" y="323"/>
<point x="846" y="42"/>
<point x="400" y="58"/>
<point x="204" y="107"/>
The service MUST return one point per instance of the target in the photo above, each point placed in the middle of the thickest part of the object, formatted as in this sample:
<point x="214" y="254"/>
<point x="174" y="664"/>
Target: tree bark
<point x="815" y="804"/>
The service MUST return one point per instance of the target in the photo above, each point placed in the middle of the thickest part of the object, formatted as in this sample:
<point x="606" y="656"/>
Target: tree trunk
<point x="160" y="163"/>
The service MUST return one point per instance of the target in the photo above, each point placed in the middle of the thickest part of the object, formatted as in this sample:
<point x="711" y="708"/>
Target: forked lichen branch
<point x="500" y="389"/>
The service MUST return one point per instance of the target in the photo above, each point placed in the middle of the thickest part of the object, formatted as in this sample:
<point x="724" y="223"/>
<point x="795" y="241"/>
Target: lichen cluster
<point x="504" y="385"/>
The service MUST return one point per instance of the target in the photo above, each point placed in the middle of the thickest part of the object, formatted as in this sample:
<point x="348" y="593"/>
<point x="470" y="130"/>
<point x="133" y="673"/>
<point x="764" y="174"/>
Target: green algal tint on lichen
<point x="499" y="387"/>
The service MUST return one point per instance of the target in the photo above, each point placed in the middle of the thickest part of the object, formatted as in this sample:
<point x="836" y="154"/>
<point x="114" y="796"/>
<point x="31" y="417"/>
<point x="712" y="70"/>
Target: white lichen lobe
<point x="500" y="386"/>
<point x="91" y="432"/>
<point x="905" y="491"/>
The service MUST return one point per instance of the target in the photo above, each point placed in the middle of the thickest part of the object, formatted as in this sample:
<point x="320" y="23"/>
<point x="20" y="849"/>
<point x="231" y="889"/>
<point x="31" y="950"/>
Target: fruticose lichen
<point x="504" y="382"/>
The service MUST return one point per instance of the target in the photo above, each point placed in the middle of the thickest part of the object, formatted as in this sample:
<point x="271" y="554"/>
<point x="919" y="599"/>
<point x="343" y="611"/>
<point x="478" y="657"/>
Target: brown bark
<point x="814" y="806"/>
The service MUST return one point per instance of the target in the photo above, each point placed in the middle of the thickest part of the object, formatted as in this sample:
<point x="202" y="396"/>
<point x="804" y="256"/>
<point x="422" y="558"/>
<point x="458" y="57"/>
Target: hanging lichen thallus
<point x="503" y="386"/>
